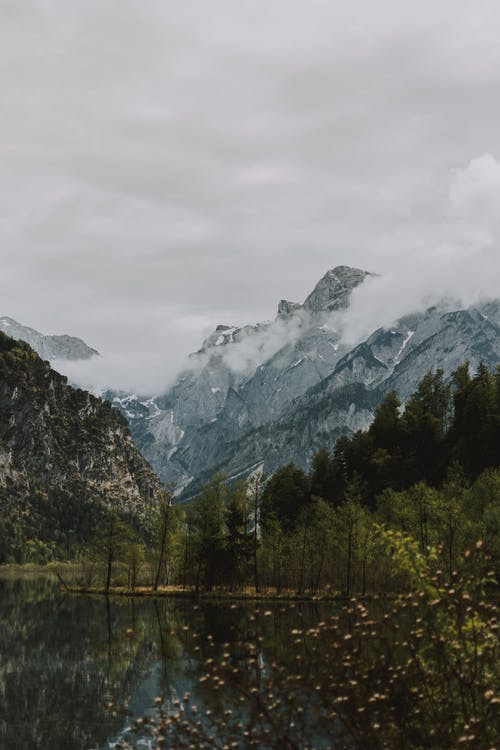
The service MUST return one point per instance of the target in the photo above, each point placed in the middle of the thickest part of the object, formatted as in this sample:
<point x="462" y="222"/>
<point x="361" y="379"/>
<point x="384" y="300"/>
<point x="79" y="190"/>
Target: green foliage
<point x="114" y="541"/>
<point x="166" y="547"/>
<point x="441" y="424"/>
<point x="286" y="494"/>
<point x="206" y="519"/>
<point x="239" y="543"/>
<point x="318" y="532"/>
<point x="134" y="556"/>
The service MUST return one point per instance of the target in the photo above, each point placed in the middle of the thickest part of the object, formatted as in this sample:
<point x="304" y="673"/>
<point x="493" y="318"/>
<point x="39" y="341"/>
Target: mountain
<point x="66" y="457"/>
<point x="261" y="396"/>
<point x="48" y="347"/>
<point x="241" y="379"/>
<point x="345" y="401"/>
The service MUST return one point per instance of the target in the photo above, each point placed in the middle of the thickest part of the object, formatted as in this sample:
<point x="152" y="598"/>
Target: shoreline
<point x="57" y="571"/>
<point x="226" y="596"/>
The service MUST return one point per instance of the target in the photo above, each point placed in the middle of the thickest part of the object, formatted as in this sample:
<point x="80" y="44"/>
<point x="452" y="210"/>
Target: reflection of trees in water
<point x="421" y="670"/>
<point x="239" y="636"/>
<point x="61" y="659"/>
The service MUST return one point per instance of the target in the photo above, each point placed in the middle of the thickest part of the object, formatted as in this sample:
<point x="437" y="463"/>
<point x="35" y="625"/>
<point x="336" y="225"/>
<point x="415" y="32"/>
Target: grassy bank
<point x="52" y="569"/>
<point x="177" y="592"/>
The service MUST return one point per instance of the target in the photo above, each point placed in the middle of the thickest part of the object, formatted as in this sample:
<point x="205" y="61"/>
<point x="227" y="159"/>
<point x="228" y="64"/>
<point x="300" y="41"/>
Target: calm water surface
<point x="63" y="658"/>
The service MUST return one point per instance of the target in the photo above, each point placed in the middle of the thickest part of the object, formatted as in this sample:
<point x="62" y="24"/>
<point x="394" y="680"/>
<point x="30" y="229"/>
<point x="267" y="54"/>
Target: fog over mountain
<point x="167" y="168"/>
<point x="256" y="397"/>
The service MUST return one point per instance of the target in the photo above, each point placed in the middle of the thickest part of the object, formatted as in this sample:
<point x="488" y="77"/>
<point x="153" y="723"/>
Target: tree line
<point x="430" y="469"/>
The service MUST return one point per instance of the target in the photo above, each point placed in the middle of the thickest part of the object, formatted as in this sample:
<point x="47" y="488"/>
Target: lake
<point x="74" y="669"/>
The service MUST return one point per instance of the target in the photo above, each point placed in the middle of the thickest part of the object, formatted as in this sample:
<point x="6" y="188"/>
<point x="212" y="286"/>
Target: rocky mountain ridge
<point x="50" y="347"/>
<point x="223" y="388"/>
<point x="227" y="413"/>
<point x="258" y="396"/>
<point x="345" y="402"/>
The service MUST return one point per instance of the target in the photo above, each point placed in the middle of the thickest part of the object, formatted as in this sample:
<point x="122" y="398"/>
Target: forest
<point x="429" y="470"/>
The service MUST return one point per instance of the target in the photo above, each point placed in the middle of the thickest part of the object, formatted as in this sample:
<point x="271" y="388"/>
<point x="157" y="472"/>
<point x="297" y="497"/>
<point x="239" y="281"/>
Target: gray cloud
<point x="168" y="166"/>
<point x="460" y="268"/>
<point x="245" y="355"/>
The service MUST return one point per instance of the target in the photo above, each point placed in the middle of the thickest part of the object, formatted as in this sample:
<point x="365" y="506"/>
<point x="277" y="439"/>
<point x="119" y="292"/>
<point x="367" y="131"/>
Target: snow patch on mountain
<point x="409" y="335"/>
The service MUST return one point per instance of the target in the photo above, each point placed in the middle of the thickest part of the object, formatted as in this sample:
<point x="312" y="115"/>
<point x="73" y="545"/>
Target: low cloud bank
<point x="244" y="356"/>
<point x="458" y="269"/>
<point x="137" y="357"/>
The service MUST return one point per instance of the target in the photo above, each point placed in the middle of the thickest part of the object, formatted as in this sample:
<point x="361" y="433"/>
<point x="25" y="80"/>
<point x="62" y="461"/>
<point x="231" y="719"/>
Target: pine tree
<point x="426" y="421"/>
<point x="286" y="493"/>
<point x="207" y="521"/>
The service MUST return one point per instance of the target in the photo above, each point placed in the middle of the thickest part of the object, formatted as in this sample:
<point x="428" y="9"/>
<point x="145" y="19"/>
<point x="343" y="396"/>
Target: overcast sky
<point x="167" y="166"/>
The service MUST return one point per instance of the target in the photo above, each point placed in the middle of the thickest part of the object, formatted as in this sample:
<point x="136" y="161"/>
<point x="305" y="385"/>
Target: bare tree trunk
<point x="164" y="529"/>
<point x="302" y="561"/>
<point x="349" y="559"/>
<point x="451" y="531"/>
<point x="256" y="539"/>
<point x="110" y="565"/>
<point x="186" y="560"/>
<point x="317" y="580"/>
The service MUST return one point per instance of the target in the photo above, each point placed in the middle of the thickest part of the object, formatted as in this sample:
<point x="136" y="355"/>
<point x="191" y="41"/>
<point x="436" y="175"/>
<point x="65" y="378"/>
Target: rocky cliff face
<point x="260" y="396"/>
<point x="333" y="291"/>
<point x="48" y="347"/>
<point x="65" y="456"/>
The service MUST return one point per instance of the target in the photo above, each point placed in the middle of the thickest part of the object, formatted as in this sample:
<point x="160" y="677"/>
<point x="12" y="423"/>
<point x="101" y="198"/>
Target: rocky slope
<point x="48" y="347"/>
<point x="260" y="396"/>
<point x="65" y="456"/>
<point x="345" y="401"/>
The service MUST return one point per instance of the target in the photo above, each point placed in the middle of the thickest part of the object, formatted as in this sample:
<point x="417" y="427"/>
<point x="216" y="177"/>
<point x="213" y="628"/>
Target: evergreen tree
<point x="209" y="531"/>
<point x="286" y="493"/>
<point x="254" y="491"/>
<point x="352" y="457"/>
<point x="349" y="517"/>
<point x="426" y="421"/>
<point x="385" y="429"/>
<point x="476" y="422"/>
<point x="323" y="479"/>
